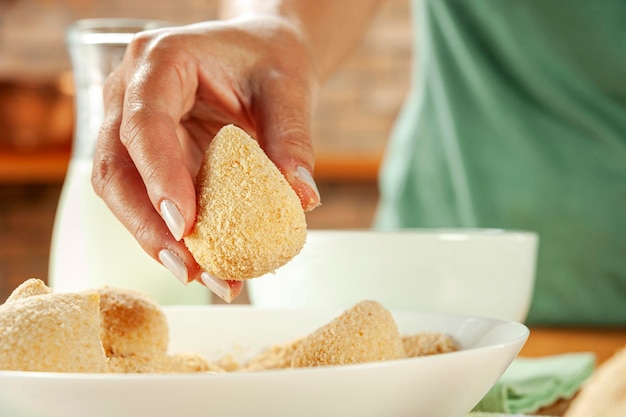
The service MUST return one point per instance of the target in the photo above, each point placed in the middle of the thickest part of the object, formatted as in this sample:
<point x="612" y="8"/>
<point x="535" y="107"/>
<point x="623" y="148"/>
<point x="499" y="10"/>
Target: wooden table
<point x="555" y="340"/>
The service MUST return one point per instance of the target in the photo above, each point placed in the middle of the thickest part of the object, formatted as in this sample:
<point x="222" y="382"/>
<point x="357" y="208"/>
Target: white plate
<point x="445" y="385"/>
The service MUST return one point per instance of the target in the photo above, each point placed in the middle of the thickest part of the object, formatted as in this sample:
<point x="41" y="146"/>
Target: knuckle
<point x="110" y="86"/>
<point x="109" y="172"/>
<point x="102" y="175"/>
<point x="107" y="176"/>
<point x="155" y="45"/>
<point x="140" y="43"/>
<point x="296" y="137"/>
<point x="134" y="123"/>
<point x="142" y="230"/>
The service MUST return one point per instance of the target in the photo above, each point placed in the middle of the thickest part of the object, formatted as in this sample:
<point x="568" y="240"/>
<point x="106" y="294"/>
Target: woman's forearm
<point x="331" y="28"/>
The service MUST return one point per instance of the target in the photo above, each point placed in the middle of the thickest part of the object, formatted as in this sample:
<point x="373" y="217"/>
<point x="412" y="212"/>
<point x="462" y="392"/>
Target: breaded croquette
<point x="604" y="393"/>
<point x="51" y="332"/>
<point x="30" y="287"/>
<point x="366" y="332"/>
<point x="135" y="336"/>
<point x="131" y="323"/>
<point x="249" y="220"/>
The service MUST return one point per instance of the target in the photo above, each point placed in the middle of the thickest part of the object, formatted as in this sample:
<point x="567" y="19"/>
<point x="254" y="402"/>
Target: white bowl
<point x="444" y="385"/>
<point x="480" y="272"/>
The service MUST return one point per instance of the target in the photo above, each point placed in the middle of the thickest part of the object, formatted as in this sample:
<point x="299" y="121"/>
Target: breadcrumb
<point x="422" y="344"/>
<point x="275" y="357"/>
<point x="162" y="364"/>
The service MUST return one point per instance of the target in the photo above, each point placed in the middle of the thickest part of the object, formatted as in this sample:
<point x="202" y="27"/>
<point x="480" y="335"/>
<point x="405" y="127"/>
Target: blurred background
<point x="357" y="108"/>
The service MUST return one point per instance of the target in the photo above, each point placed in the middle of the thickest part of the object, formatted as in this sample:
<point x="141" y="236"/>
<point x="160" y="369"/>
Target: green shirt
<point x="517" y="119"/>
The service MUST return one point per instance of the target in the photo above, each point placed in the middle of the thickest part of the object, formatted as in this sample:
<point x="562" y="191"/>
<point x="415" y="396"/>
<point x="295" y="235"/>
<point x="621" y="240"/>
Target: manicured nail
<point x="218" y="286"/>
<point x="173" y="219"/>
<point x="305" y="176"/>
<point x="174" y="264"/>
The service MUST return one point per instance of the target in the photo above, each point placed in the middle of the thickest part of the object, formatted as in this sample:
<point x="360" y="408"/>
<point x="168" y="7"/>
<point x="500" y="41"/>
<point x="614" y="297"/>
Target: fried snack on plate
<point x="51" y="332"/>
<point x="131" y="323"/>
<point x="30" y="287"/>
<point x="249" y="219"/>
<point x="604" y="393"/>
<point x="135" y="335"/>
<point x="364" y="333"/>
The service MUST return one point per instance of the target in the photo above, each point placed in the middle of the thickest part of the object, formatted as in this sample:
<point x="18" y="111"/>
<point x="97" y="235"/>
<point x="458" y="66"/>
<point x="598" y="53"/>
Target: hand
<point x="175" y="88"/>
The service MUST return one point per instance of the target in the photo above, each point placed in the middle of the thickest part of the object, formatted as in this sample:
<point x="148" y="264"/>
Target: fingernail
<point x="218" y="286"/>
<point x="173" y="219"/>
<point x="174" y="264"/>
<point x="305" y="176"/>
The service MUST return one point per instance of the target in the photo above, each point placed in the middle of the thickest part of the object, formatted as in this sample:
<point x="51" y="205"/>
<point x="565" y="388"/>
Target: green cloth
<point x="530" y="384"/>
<point x="516" y="119"/>
<point x="481" y="414"/>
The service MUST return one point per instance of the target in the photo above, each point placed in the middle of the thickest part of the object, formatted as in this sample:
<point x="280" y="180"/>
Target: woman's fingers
<point x="145" y="160"/>
<point x="174" y="90"/>
<point x="157" y="96"/>
<point x="120" y="185"/>
<point x="118" y="181"/>
<point x="226" y="290"/>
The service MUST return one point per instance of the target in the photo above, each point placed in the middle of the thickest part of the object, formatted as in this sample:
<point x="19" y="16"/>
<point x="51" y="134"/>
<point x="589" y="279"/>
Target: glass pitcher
<point x="90" y="247"/>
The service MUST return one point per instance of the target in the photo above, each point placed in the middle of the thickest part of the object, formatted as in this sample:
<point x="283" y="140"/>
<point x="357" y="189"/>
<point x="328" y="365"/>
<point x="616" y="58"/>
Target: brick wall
<point x="357" y="106"/>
